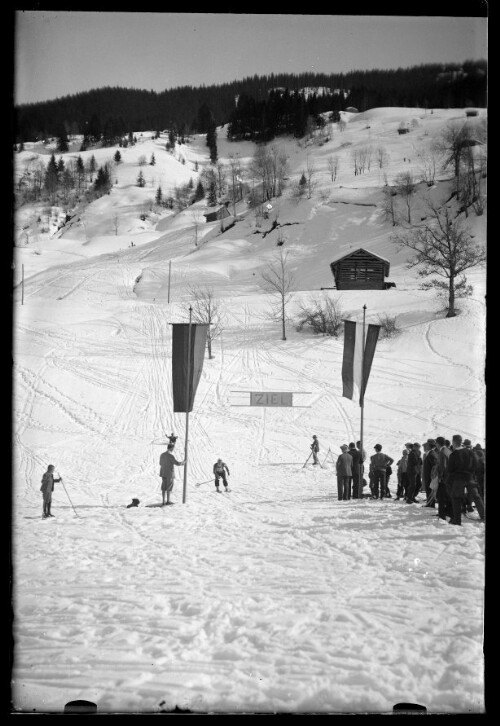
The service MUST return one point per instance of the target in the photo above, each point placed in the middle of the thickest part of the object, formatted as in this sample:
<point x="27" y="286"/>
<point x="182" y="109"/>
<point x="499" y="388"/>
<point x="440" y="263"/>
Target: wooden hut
<point x="219" y="213"/>
<point x="360" y="270"/>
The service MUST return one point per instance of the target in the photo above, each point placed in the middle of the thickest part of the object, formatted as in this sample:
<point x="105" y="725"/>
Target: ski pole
<point x="326" y="457"/>
<point x="60" y="477"/>
<point x="203" y="482"/>
<point x="307" y="459"/>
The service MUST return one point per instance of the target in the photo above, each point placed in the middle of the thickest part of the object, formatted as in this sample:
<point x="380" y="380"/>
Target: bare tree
<point x="310" y="173"/>
<point x="405" y="186"/>
<point x="389" y="203"/>
<point x="333" y="166"/>
<point x="116" y="221"/>
<point x="382" y="157"/>
<point x="279" y="281"/>
<point x="444" y="247"/>
<point x="455" y="139"/>
<point x="430" y="161"/>
<point x="207" y="309"/>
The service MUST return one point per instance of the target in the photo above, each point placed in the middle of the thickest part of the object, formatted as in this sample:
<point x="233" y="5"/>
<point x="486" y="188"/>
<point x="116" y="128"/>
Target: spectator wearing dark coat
<point x="412" y="470"/>
<point x="480" y="469"/>
<point x="460" y="476"/>
<point x="344" y="474"/>
<point x="378" y="468"/>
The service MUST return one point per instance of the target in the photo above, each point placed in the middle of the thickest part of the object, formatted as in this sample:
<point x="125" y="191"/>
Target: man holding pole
<point x="167" y="472"/>
<point x="47" y="488"/>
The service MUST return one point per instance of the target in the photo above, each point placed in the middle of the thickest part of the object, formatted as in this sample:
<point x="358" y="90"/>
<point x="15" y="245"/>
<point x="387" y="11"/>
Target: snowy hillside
<point x="275" y="597"/>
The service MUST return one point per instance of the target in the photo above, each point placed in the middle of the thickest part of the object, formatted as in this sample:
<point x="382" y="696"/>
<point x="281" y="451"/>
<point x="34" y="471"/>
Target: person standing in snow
<point x="378" y="467"/>
<point x="47" y="488"/>
<point x="220" y="469"/>
<point x="362" y="482"/>
<point x="402" y="476"/>
<point x="357" y="490"/>
<point x="315" y="449"/>
<point x="344" y="474"/>
<point x="429" y="462"/>
<point x="442" y="497"/>
<point x="412" y="470"/>
<point x="167" y="472"/>
<point x="460" y="476"/>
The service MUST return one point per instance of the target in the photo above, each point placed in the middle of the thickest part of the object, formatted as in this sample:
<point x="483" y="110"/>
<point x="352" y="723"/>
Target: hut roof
<point x="360" y="249"/>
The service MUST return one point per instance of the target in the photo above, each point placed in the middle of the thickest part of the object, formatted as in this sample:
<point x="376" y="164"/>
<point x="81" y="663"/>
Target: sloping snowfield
<point x="275" y="597"/>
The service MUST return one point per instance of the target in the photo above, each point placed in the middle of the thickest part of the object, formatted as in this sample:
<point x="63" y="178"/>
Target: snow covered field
<point x="275" y="597"/>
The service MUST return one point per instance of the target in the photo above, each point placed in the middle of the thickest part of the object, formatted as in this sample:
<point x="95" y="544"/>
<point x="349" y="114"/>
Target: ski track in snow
<point x="276" y="596"/>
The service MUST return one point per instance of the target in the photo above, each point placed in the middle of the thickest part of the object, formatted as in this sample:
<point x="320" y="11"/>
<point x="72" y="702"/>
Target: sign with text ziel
<point x="269" y="398"/>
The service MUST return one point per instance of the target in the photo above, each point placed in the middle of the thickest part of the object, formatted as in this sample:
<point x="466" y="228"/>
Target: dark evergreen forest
<point x="105" y="114"/>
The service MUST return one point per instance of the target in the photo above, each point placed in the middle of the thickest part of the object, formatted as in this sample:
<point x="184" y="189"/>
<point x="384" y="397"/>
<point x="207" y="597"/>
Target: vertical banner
<point x="184" y="360"/>
<point x="357" y="359"/>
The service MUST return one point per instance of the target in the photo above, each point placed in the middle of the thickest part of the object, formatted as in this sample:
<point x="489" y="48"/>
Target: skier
<point x="172" y="439"/>
<point x="167" y="472"/>
<point x="315" y="449"/>
<point x="134" y="503"/>
<point x="47" y="489"/>
<point x="220" y="469"/>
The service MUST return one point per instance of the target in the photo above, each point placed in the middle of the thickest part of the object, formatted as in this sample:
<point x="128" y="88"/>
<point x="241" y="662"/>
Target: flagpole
<point x="188" y="386"/>
<point x="362" y="404"/>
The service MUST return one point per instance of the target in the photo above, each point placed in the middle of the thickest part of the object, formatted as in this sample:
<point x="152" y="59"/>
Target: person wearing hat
<point x="378" y="469"/>
<point x="442" y="496"/>
<point x="355" y="454"/>
<point x="413" y="473"/>
<point x="220" y="473"/>
<point x="47" y="488"/>
<point x="461" y="470"/>
<point x="315" y="449"/>
<point x="430" y="461"/>
<point x="167" y="472"/>
<point x="344" y="474"/>
<point x="402" y="476"/>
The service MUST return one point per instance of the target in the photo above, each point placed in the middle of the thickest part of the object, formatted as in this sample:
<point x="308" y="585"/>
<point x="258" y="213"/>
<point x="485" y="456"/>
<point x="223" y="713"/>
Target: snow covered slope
<point x="275" y="597"/>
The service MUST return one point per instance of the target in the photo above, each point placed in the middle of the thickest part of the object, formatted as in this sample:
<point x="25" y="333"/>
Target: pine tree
<point x="212" y="193"/>
<point x="158" y="197"/>
<point x="141" y="182"/>
<point x="153" y="160"/>
<point x="60" y="166"/>
<point x="117" y="157"/>
<point x="62" y="141"/>
<point x="51" y="178"/>
<point x="199" y="192"/>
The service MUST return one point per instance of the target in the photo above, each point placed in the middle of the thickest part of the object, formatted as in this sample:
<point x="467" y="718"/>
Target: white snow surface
<point x="275" y="597"/>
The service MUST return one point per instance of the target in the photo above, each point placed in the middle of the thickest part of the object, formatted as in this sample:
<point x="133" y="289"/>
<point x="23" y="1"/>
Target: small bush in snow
<point x="322" y="314"/>
<point x="389" y="325"/>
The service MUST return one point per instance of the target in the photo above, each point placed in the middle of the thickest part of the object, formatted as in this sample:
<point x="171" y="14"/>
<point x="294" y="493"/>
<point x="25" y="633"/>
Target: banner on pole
<point x="180" y="359"/>
<point x="356" y="362"/>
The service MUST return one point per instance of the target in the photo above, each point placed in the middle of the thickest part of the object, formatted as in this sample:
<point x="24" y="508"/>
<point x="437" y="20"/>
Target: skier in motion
<point x="220" y="469"/>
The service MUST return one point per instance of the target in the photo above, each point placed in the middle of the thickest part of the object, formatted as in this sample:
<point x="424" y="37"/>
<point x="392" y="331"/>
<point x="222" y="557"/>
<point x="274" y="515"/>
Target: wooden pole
<point x="188" y="388"/>
<point x="169" y="272"/>
<point x="22" y="284"/>
<point x="362" y="403"/>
